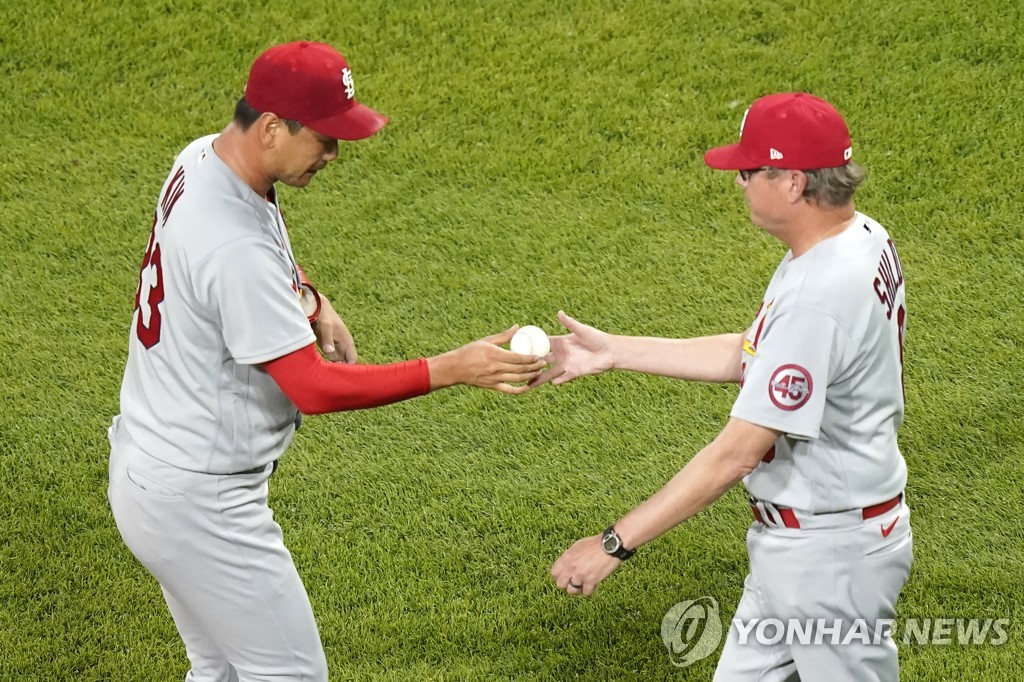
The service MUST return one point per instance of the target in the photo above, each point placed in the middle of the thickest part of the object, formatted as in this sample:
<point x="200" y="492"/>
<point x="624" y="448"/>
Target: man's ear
<point x="797" y="184"/>
<point x="268" y="126"/>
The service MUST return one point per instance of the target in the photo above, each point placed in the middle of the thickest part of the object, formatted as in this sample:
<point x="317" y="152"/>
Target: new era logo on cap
<point x="301" y="82"/>
<point x="809" y="129"/>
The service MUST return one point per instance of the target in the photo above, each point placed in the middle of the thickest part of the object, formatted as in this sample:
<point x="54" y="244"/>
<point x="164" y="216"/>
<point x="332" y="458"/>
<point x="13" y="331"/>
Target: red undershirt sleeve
<point x="316" y="386"/>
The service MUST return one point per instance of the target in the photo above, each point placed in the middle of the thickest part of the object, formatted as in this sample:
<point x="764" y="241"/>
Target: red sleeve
<point x="317" y="386"/>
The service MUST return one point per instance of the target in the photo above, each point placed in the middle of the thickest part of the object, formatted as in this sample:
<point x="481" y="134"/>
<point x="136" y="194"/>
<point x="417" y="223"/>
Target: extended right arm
<point x="316" y="386"/>
<point x="591" y="351"/>
<point x="706" y="358"/>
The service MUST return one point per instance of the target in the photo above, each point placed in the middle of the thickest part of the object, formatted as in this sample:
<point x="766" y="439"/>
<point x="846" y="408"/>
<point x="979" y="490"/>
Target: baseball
<point x="530" y="340"/>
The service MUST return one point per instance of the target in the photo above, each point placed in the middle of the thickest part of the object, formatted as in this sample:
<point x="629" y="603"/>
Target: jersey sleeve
<point x="248" y="289"/>
<point x="317" y="387"/>
<point x="798" y="355"/>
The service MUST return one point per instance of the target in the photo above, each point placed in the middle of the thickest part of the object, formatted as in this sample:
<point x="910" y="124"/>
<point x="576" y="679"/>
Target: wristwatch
<point x="611" y="543"/>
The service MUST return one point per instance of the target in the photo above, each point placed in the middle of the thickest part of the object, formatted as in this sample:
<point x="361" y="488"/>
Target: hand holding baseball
<point x="530" y="340"/>
<point x="586" y="350"/>
<point x="485" y="364"/>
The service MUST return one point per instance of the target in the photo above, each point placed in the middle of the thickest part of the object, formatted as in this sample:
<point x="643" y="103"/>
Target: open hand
<point x="586" y="350"/>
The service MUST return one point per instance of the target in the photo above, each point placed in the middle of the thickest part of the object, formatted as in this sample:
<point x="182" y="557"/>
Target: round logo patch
<point x="691" y="630"/>
<point x="790" y="387"/>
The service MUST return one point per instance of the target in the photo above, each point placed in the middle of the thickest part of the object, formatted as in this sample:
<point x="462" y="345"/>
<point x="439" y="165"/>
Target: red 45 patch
<point x="790" y="387"/>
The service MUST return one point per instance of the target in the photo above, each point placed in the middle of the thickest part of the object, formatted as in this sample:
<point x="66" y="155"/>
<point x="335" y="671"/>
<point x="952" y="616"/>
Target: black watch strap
<point x="612" y="545"/>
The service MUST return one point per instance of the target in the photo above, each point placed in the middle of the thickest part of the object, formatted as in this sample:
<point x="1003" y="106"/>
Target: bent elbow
<point x="749" y="468"/>
<point x="741" y="469"/>
<point x="740" y="464"/>
<point x="306" y="405"/>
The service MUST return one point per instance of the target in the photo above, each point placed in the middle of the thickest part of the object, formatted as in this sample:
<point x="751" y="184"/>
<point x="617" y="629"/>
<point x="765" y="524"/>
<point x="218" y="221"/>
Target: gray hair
<point x="831" y="186"/>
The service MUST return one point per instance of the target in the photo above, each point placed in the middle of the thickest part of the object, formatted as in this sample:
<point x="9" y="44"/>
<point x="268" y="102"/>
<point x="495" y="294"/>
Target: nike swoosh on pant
<point x="886" y="531"/>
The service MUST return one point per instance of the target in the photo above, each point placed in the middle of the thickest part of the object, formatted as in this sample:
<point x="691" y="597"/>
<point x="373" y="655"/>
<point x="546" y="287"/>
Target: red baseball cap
<point x="792" y="130"/>
<point x="312" y="84"/>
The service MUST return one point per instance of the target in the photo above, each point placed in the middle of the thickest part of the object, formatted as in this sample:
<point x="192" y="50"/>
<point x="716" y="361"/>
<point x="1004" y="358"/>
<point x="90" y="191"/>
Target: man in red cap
<point x="812" y="434"/>
<point x="222" y="362"/>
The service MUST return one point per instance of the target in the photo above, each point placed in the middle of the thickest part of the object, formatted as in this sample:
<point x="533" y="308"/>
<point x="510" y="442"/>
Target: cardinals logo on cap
<point x="744" y="121"/>
<point x="791" y="130"/>
<point x="346" y="80"/>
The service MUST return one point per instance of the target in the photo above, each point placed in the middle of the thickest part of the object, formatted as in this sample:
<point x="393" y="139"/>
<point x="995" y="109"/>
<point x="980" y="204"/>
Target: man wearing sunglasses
<point x="812" y="434"/>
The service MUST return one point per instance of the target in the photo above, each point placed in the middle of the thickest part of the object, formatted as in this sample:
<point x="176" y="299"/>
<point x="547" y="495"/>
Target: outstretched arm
<point x="587" y="350"/>
<point x="316" y="387"/>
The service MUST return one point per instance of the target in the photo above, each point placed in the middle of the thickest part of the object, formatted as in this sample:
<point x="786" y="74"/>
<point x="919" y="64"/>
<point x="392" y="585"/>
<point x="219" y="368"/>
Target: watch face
<point x="611" y="542"/>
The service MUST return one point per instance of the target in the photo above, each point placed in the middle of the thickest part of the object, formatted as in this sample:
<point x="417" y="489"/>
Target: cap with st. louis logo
<point x="791" y="130"/>
<point x="311" y="83"/>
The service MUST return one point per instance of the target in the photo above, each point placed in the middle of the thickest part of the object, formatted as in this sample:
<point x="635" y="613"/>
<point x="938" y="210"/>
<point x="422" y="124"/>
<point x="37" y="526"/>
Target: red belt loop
<point x="880" y="508"/>
<point x="788" y="518"/>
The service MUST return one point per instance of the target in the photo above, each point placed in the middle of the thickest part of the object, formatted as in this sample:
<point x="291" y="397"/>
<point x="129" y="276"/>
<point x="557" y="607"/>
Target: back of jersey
<point x="823" y="365"/>
<point x="216" y="298"/>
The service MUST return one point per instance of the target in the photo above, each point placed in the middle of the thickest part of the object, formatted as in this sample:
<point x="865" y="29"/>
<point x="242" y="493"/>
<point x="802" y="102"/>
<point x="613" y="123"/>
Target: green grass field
<point x="541" y="155"/>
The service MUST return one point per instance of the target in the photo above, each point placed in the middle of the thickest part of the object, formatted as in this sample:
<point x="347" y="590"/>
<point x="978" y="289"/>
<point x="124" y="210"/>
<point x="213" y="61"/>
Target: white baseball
<point x="530" y="340"/>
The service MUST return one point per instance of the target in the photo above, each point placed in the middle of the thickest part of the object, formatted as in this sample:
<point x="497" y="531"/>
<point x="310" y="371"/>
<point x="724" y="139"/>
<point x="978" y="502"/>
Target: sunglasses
<point x="748" y="173"/>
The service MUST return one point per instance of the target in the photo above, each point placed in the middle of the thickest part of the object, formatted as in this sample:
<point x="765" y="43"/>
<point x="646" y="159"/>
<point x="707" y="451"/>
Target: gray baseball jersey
<point x="824" y="365"/>
<point x="217" y="297"/>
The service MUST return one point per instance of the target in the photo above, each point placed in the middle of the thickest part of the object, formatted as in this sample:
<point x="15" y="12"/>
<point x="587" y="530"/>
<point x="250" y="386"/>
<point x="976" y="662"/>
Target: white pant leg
<point x="214" y="546"/>
<point x="870" y="573"/>
<point x="208" y="663"/>
<point x="752" y="661"/>
<point x="853" y="575"/>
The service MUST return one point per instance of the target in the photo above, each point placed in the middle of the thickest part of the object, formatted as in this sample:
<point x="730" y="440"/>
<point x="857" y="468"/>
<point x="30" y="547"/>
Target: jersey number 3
<point x="150" y="293"/>
<point x="151" y="281"/>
